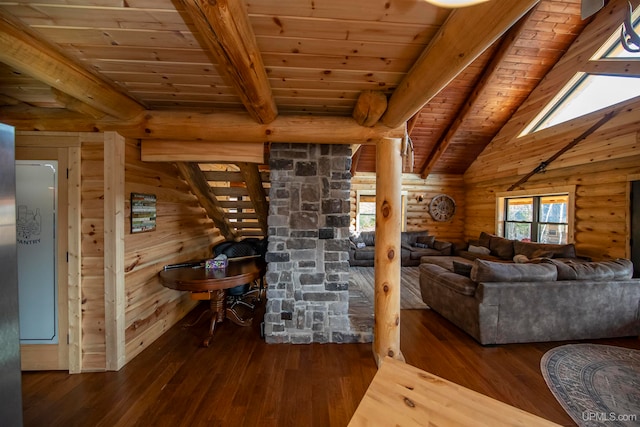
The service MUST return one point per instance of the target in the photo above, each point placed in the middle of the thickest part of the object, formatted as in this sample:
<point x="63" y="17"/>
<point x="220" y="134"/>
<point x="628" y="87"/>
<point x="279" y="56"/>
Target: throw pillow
<point x="462" y="268"/>
<point x="501" y="247"/>
<point x="426" y="240"/>
<point x="360" y="245"/>
<point x="520" y="259"/>
<point x="485" y="239"/>
<point x="479" y="250"/>
<point x="421" y="245"/>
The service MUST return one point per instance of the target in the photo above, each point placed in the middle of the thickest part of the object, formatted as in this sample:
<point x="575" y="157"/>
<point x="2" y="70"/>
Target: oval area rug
<point x="598" y="385"/>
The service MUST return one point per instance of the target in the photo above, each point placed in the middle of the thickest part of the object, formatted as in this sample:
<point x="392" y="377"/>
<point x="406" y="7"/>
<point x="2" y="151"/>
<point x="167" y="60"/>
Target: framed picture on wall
<point x="143" y="212"/>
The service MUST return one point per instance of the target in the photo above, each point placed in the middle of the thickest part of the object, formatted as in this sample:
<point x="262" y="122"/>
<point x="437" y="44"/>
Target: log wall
<point x="183" y="232"/>
<point x="418" y="217"/>
<point x="600" y="167"/>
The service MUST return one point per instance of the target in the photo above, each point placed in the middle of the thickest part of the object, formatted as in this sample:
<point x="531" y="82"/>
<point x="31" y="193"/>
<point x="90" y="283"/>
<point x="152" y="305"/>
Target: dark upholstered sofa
<point x="495" y="248"/>
<point x="414" y="245"/>
<point x="546" y="300"/>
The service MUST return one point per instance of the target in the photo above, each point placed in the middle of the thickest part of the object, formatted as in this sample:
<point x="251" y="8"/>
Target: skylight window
<point x="589" y="92"/>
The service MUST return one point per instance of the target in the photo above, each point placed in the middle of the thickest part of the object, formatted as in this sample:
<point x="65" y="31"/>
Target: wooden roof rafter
<point x="225" y="27"/>
<point x="505" y="48"/>
<point x="462" y="38"/>
<point x="22" y="49"/>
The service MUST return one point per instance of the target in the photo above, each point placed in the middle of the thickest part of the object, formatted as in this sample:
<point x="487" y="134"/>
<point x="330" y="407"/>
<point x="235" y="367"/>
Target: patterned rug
<point x="598" y="385"/>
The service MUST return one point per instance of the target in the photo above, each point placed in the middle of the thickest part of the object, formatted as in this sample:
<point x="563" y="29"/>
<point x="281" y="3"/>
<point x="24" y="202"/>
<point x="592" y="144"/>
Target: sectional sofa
<point x="544" y="299"/>
<point x="414" y="246"/>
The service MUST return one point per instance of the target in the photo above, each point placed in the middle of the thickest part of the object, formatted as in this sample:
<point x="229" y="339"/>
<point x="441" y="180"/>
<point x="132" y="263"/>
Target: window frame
<point x="369" y="193"/>
<point x="501" y="204"/>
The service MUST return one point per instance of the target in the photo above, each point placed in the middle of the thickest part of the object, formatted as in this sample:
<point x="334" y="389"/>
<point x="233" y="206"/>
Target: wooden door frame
<point x="67" y="147"/>
<point x="630" y="179"/>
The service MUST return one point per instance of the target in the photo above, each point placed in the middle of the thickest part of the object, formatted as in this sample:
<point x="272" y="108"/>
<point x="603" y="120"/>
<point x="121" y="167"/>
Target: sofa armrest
<point x="443" y="247"/>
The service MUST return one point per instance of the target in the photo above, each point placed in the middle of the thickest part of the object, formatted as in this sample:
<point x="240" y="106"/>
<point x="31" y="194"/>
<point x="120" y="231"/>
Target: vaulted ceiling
<point x="454" y="77"/>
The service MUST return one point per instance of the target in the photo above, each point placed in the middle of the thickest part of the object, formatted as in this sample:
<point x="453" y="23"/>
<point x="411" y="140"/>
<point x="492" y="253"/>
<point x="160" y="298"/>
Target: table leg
<point x="217" y="308"/>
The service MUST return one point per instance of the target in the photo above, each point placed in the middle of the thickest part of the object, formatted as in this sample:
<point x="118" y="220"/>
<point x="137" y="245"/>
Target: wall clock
<point x="442" y="207"/>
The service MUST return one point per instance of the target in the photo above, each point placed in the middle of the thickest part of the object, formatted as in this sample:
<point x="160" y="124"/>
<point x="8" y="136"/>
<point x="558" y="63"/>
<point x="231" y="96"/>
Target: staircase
<point x="235" y="196"/>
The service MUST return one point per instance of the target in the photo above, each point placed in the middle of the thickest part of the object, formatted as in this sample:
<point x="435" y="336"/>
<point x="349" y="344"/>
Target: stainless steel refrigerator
<point x="10" y="376"/>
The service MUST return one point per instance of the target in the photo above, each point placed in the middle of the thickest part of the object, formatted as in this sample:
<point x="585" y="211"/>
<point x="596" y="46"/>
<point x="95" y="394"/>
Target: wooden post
<point x="114" y="216"/>
<point x="386" y="340"/>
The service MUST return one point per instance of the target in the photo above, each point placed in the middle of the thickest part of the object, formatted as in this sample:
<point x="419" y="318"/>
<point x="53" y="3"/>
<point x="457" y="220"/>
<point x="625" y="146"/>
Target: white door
<point x="42" y="296"/>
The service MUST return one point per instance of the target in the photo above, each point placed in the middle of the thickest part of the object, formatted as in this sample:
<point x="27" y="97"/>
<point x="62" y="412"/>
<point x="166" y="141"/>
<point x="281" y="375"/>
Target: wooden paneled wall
<point x="92" y="252"/>
<point x="418" y="217"/>
<point x="183" y="232"/>
<point x="600" y="167"/>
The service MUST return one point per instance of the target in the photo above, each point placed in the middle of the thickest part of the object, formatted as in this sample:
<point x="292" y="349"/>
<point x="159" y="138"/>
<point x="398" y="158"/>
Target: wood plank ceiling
<point x="288" y="57"/>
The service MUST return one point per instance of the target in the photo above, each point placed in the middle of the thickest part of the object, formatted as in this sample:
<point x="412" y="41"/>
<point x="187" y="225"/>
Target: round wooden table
<point x="212" y="285"/>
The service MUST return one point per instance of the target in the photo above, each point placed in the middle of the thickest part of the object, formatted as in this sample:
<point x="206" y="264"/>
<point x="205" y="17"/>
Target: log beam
<point x="258" y="196"/>
<point x="217" y="127"/>
<point x="463" y="37"/>
<point x="370" y="106"/>
<point x="386" y="340"/>
<point x="225" y="27"/>
<point x="200" y="188"/>
<point x="489" y="74"/>
<point x="22" y="49"/>
<point x="240" y="127"/>
<point x="166" y="150"/>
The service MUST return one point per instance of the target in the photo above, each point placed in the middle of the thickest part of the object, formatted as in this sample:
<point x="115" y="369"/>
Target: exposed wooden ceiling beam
<point x="488" y="75"/>
<point x="370" y="106"/>
<point x="464" y="36"/>
<point x="253" y="181"/>
<point x="240" y="127"/>
<point x="24" y="117"/>
<point x="22" y="49"/>
<point x="167" y="150"/>
<point x="73" y="104"/>
<point x="225" y="27"/>
<point x="355" y="159"/>
<point x="613" y="67"/>
<point x="200" y="188"/>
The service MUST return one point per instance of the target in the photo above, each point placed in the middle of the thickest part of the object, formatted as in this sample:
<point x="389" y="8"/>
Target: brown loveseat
<point x="549" y="300"/>
<point x="415" y="245"/>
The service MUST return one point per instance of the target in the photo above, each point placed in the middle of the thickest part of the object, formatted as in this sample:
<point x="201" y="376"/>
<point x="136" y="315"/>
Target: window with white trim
<point x="544" y="217"/>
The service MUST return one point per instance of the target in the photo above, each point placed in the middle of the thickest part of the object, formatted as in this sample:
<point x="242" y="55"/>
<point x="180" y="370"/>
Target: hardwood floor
<point x="241" y="381"/>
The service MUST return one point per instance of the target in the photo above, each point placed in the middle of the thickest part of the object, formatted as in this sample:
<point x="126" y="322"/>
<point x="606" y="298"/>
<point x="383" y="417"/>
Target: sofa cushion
<point x="417" y="253"/>
<point x="426" y="240"/>
<point x="501" y="247"/>
<point x="596" y="271"/>
<point x="366" y="253"/>
<point x="547" y="250"/>
<point x="462" y="268"/>
<point x="443" y="277"/>
<point x="485" y="239"/>
<point x="489" y="271"/>
<point x="411" y="237"/>
<point x="622" y="268"/>
<point x="479" y="250"/>
<point x="368" y="237"/>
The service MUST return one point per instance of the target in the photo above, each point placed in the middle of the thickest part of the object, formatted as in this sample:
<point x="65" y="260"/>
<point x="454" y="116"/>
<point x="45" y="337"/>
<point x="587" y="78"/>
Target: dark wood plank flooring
<point x="241" y="381"/>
